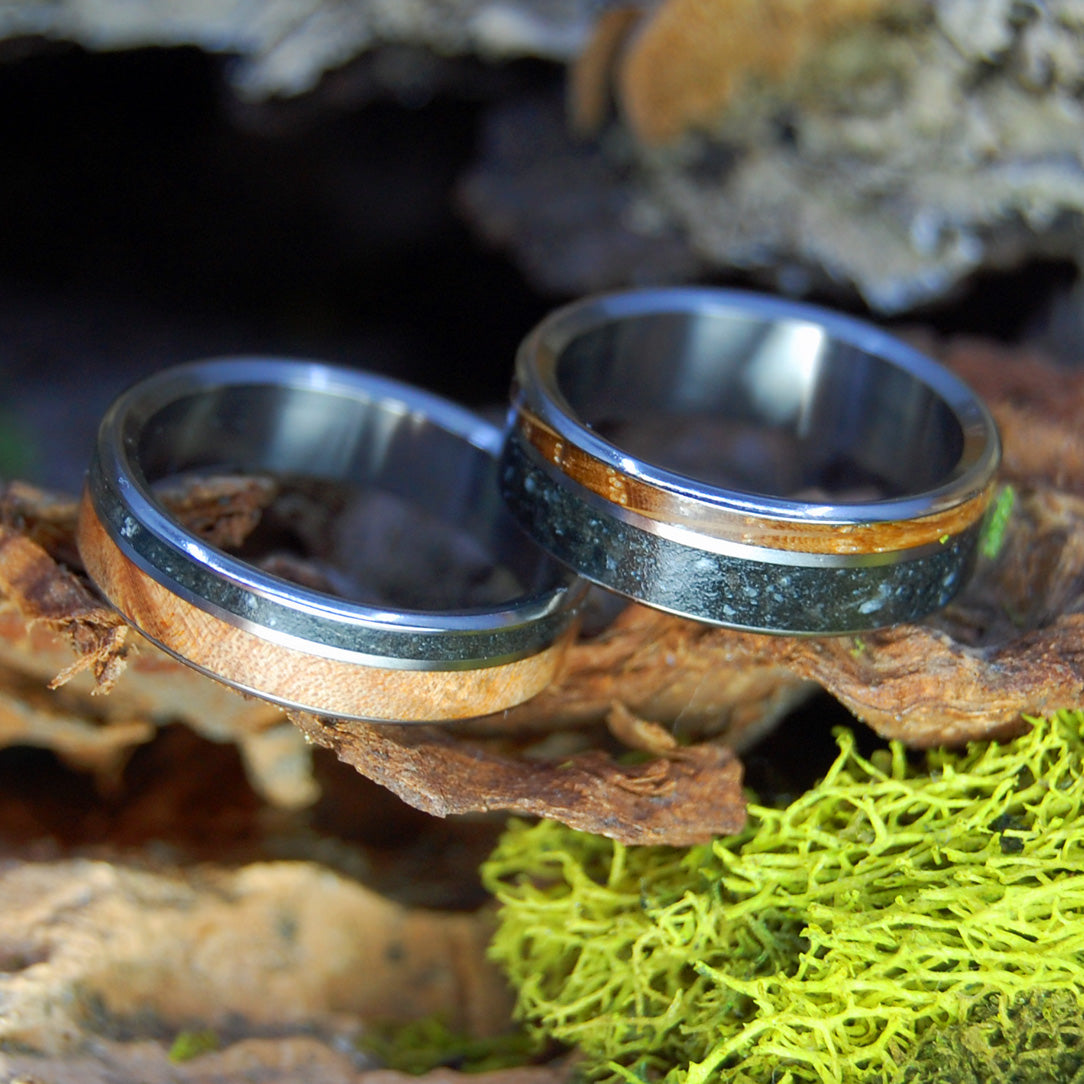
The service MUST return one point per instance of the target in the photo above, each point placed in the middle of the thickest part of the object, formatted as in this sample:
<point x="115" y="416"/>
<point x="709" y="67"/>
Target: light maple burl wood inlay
<point x="296" y="677"/>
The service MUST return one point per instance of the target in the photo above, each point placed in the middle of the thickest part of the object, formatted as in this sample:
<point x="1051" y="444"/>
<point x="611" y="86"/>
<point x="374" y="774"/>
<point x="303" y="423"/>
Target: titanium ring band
<point x="285" y="642"/>
<point x="748" y="461"/>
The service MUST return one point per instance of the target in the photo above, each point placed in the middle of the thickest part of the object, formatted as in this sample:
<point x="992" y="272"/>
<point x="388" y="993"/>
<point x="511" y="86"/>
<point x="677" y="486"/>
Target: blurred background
<point x="408" y="187"/>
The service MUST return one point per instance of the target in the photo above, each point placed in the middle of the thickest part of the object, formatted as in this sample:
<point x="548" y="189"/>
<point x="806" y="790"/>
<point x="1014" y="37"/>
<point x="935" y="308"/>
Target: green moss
<point x="827" y="941"/>
<point x="427" y="1044"/>
<point x="1036" y="1039"/>
<point x="191" y="1044"/>
<point x="996" y="522"/>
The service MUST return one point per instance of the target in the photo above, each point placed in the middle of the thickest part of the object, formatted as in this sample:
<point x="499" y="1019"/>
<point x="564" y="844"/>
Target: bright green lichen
<point x="996" y="523"/>
<point x="889" y="904"/>
<point x="1036" y="1039"/>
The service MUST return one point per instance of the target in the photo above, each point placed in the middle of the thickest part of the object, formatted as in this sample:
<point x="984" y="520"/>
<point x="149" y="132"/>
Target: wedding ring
<point x="301" y="646"/>
<point x="747" y="461"/>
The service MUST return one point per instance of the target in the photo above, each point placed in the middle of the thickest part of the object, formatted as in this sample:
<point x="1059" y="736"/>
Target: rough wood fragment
<point x="1011" y="643"/>
<point x="254" y="1061"/>
<point x="98" y="733"/>
<point x="44" y="517"/>
<point x="223" y="510"/>
<point x="44" y="592"/>
<point x="821" y="146"/>
<point x="1038" y="408"/>
<point x="54" y="631"/>
<point x="37" y="530"/>
<point x="83" y="744"/>
<point x="664" y="669"/>
<point x="687" y="795"/>
<point x="287" y="47"/>
<point x="287" y="948"/>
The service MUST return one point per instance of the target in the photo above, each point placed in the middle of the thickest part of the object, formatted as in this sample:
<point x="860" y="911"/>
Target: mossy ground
<point x="833" y="940"/>
<point x="429" y="1043"/>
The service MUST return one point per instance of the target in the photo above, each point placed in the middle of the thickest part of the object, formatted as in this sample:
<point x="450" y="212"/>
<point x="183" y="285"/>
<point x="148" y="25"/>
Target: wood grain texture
<point x="299" y="678"/>
<point x="827" y="538"/>
<point x="52" y="597"/>
<point x="679" y="796"/>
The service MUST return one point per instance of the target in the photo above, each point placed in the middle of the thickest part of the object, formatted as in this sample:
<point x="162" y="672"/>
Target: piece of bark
<point x="288" y="948"/>
<point x="591" y="74"/>
<point x="46" y="612"/>
<point x="222" y="510"/>
<point x="1037" y="405"/>
<point x="1013" y="642"/>
<point x="1010" y="644"/>
<point x="840" y="148"/>
<point x="664" y="669"/>
<point x="95" y="733"/>
<point x="682" y="796"/>
<point x="32" y="523"/>
<point x="44" y="517"/>
<point x="254" y="1061"/>
<point x="103" y="750"/>
<point x="687" y="795"/>
<point x="299" y="46"/>
<point x="45" y="593"/>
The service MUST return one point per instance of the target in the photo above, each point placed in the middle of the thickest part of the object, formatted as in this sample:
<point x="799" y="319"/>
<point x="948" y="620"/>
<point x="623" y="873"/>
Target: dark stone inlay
<point x="723" y="589"/>
<point x="440" y="649"/>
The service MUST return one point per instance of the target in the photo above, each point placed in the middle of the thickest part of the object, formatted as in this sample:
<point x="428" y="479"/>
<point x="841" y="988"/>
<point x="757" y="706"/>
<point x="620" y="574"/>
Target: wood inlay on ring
<point x="295" y="677"/>
<point x="813" y="537"/>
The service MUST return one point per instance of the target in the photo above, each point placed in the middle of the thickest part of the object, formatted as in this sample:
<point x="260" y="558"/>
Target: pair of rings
<point x="742" y="460"/>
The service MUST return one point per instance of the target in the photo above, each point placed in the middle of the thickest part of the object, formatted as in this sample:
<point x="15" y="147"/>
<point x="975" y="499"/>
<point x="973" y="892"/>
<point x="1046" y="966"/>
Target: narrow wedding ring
<point x="747" y="461"/>
<point x="274" y="638"/>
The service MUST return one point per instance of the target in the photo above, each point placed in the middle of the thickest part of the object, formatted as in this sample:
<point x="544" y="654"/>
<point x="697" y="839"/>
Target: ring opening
<point x="767" y="406"/>
<point x="375" y="503"/>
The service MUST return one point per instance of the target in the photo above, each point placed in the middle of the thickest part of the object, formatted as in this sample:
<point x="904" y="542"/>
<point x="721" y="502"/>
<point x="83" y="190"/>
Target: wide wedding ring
<point x="277" y="639"/>
<point x="747" y="461"/>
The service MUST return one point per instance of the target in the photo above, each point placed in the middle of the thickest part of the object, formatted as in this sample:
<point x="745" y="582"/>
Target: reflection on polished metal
<point x="747" y="461"/>
<point x="282" y="641"/>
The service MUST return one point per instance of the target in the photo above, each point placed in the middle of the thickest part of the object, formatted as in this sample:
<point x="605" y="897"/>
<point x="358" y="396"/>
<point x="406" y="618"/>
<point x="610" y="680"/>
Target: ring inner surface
<point x="771" y="407"/>
<point x="376" y="504"/>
